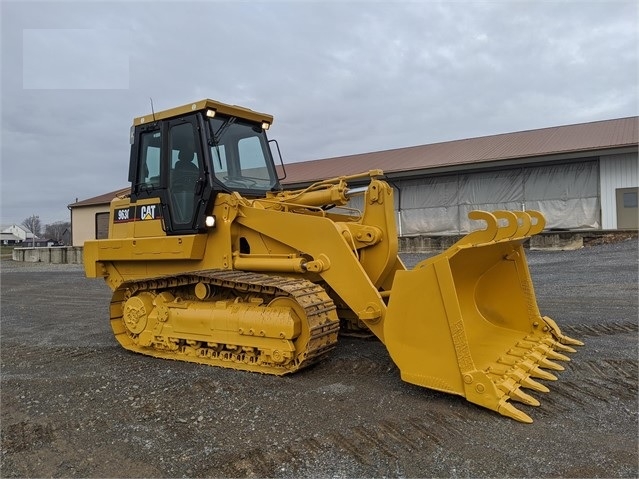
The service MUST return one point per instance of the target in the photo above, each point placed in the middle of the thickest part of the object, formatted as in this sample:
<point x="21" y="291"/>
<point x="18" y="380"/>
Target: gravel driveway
<point x="75" y="404"/>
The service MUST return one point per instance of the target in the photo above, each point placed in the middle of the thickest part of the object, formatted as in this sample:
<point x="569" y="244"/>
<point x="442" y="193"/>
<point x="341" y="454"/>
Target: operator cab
<point x="186" y="155"/>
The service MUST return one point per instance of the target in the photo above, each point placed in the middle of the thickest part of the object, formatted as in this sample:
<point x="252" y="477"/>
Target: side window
<point x="220" y="165"/>
<point x="252" y="158"/>
<point x="149" y="164"/>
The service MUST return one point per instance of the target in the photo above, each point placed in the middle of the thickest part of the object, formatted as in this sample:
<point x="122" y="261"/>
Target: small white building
<point x="12" y="234"/>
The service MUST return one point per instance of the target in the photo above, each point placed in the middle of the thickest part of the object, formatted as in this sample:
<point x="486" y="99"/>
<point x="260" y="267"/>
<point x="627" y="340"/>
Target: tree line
<point x="55" y="231"/>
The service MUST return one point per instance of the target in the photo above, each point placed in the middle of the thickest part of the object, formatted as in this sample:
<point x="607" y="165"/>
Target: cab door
<point x="144" y="216"/>
<point x="169" y="178"/>
<point x="185" y="175"/>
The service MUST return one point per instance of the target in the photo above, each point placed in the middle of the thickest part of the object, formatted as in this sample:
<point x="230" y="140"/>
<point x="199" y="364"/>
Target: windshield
<point x="240" y="155"/>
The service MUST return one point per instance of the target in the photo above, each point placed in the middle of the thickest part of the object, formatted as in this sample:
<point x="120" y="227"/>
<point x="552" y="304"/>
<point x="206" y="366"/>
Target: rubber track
<point x="321" y="315"/>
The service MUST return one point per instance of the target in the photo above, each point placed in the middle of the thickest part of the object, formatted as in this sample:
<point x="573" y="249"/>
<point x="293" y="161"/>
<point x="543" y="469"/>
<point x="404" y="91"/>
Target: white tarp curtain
<point x="567" y="195"/>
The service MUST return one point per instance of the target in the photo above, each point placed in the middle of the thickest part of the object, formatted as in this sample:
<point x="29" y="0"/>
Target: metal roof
<point x="579" y="140"/>
<point x="524" y="145"/>
<point x="102" y="199"/>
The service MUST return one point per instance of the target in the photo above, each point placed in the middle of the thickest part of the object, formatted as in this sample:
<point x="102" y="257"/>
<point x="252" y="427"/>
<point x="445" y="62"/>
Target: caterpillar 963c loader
<point x="210" y="261"/>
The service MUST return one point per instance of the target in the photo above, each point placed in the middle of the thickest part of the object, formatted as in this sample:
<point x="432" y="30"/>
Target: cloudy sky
<point x="340" y="77"/>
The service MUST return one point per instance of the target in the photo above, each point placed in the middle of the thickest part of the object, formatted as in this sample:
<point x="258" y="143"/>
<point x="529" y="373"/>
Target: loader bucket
<point x="466" y="321"/>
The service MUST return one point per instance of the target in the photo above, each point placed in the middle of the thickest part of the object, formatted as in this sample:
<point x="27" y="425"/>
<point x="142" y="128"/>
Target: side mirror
<point x="279" y="154"/>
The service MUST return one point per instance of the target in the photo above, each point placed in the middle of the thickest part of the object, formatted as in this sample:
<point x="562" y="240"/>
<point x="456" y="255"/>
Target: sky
<point x="340" y="78"/>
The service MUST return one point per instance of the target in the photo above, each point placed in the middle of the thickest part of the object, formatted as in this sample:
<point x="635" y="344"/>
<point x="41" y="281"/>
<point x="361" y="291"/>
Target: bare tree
<point x="55" y="231"/>
<point x="32" y="223"/>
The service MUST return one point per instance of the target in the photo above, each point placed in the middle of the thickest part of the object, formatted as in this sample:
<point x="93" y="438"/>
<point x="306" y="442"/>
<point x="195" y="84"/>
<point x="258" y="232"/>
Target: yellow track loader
<point x="210" y="261"/>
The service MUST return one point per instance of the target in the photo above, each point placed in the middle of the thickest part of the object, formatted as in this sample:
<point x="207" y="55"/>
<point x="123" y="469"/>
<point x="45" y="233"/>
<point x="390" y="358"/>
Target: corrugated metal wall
<point x="615" y="171"/>
<point x="567" y="194"/>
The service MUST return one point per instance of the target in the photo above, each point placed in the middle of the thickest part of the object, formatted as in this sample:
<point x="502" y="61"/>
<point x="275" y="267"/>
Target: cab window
<point x="149" y="164"/>
<point x="184" y="172"/>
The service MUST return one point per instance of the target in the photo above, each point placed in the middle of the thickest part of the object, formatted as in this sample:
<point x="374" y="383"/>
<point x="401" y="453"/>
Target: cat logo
<point x="147" y="212"/>
<point x="140" y="213"/>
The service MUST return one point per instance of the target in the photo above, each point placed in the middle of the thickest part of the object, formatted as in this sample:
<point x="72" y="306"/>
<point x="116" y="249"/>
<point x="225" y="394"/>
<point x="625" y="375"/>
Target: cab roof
<point x="205" y="104"/>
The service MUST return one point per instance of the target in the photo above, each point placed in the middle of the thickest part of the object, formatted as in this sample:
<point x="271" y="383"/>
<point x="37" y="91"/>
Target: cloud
<point x="74" y="59"/>
<point x="339" y="77"/>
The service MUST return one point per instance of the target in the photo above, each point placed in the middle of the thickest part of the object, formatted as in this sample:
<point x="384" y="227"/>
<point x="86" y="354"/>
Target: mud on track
<point x="75" y="404"/>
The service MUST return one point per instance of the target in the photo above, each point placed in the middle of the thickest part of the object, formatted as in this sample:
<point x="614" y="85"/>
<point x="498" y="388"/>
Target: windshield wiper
<point x="223" y="127"/>
<point x="217" y="136"/>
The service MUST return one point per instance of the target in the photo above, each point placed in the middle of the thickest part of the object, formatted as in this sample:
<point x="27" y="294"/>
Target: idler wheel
<point x="136" y="312"/>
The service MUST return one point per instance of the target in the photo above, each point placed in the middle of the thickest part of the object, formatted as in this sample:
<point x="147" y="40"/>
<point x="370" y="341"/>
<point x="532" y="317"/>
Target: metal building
<point x="618" y="179"/>
<point x="581" y="177"/>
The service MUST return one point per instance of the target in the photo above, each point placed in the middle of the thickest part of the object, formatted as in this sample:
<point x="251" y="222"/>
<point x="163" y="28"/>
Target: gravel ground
<point x="74" y="404"/>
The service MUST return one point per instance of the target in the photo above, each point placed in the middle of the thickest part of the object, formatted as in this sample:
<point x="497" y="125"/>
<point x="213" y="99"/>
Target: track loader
<point x="210" y="261"/>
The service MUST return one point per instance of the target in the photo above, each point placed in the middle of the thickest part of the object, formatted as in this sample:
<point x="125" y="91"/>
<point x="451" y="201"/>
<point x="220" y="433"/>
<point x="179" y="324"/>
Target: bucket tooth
<point x="547" y="351"/>
<point x="536" y="357"/>
<point x="556" y="332"/>
<point x="527" y="366"/>
<point x="545" y="363"/>
<point x="539" y="373"/>
<point x="511" y="387"/>
<point x="534" y="385"/>
<point x="568" y="340"/>
<point x="555" y="355"/>
<point x="522" y="397"/>
<point x="556" y="345"/>
<point x="516" y="361"/>
<point x="508" y="410"/>
<point x="564" y="348"/>
<point x="522" y="376"/>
